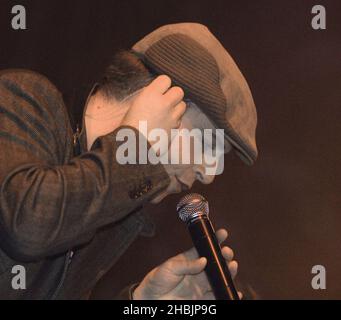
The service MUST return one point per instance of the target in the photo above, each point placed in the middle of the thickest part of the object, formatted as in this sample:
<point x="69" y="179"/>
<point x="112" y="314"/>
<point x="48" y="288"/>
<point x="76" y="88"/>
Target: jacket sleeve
<point x="127" y="292"/>
<point x="49" y="205"/>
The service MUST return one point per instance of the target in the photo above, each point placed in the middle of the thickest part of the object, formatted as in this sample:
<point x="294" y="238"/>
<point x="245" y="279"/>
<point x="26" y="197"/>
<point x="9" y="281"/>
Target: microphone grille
<point x="191" y="206"/>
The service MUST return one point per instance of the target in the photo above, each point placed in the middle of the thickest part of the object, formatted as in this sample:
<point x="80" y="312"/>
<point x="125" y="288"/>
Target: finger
<point x="221" y="235"/>
<point x="161" y="84"/>
<point x="179" y="110"/>
<point x="208" y="296"/>
<point x="191" y="254"/>
<point x="227" y="253"/>
<point x="233" y="267"/>
<point x="174" y="96"/>
<point x="181" y="267"/>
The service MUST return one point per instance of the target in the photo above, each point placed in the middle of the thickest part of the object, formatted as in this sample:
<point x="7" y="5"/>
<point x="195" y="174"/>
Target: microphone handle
<point x="206" y="243"/>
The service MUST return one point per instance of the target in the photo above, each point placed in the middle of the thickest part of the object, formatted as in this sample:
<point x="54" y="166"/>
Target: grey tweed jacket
<point x="65" y="218"/>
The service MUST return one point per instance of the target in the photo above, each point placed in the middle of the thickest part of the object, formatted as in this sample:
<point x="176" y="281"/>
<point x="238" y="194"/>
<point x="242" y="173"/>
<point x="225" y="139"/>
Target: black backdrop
<point x="284" y="212"/>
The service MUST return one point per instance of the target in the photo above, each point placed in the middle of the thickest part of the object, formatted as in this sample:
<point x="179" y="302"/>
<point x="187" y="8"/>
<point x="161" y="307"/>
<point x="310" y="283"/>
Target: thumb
<point x="184" y="266"/>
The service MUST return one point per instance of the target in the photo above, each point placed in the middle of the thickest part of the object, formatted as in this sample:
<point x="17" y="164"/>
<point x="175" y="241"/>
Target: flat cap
<point x="196" y="61"/>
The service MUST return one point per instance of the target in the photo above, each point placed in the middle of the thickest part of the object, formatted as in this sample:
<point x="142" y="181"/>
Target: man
<point x="68" y="218"/>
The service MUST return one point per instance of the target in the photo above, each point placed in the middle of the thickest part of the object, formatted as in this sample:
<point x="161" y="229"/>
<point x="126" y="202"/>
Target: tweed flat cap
<point x="196" y="61"/>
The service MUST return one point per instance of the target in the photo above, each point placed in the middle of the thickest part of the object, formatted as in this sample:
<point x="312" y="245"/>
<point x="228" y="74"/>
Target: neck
<point x="102" y="116"/>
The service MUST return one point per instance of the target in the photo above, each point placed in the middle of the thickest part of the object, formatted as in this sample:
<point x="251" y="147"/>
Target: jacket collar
<point x="80" y="137"/>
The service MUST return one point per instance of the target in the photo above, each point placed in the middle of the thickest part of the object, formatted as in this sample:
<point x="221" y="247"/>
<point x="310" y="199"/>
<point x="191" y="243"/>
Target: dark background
<point x="283" y="213"/>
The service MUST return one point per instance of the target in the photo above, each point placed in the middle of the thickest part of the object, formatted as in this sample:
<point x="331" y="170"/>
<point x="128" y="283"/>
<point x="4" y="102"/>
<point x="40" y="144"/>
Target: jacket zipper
<point x="67" y="262"/>
<point x="70" y="253"/>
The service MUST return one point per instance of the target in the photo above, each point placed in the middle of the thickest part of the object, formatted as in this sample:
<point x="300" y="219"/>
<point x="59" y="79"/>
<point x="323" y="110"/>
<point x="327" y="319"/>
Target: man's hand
<point x="158" y="104"/>
<point x="183" y="277"/>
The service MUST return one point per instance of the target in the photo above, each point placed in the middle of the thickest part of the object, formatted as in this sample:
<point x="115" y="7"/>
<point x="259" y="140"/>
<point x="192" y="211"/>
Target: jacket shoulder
<point x="32" y="91"/>
<point x="31" y="104"/>
<point x="28" y="80"/>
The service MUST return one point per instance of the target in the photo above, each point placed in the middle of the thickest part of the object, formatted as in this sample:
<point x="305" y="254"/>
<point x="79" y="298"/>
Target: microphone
<point x="193" y="210"/>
